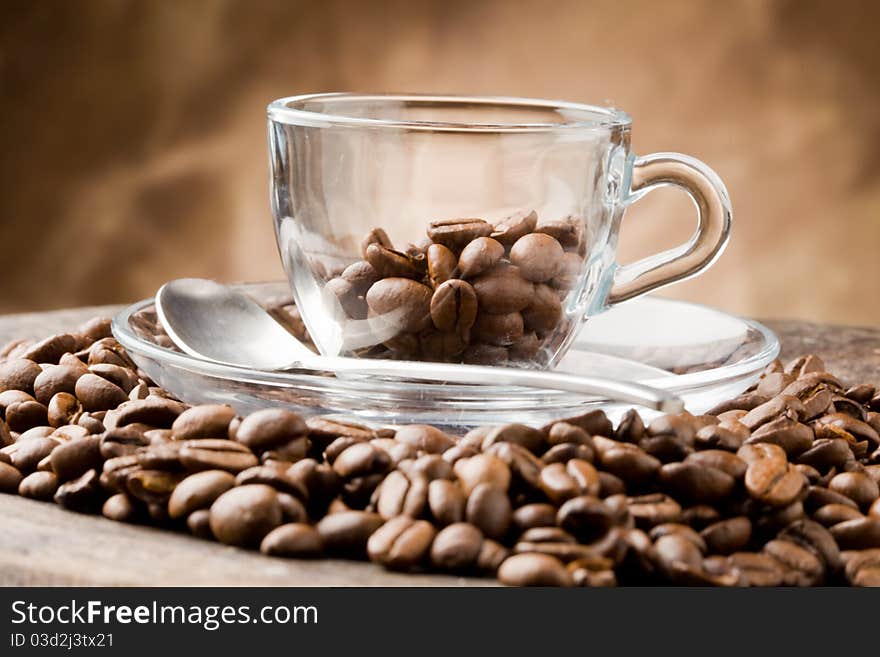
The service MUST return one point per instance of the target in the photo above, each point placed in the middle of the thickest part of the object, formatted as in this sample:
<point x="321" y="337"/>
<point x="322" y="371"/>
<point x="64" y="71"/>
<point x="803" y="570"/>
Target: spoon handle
<point x="616" y="390"/>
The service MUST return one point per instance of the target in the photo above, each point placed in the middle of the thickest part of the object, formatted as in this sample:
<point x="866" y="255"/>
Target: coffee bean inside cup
<point x="472" y="292"/>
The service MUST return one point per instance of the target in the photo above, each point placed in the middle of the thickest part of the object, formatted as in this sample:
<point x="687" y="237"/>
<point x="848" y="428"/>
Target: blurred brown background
<point x="132" y="133"/>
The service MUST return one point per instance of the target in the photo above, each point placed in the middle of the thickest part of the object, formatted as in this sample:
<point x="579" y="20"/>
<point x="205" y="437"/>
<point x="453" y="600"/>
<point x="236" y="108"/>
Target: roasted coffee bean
<point x="757" y="569"/>
<point x="482" y="469"/>
<point x="26" y="454"/>
<point x="782" y="405"/>
<point x="122" y="441"/>
<point x="243" y="515"/>
<point x="566" y="231"/>
<point x="627" y="461"/>
<point x="697" y="483"/>
<point x="91" y="423"/>
<point x="720" y="460"/>
<point x="21" y="416"/>
<point x="856" y="428"/>
<point x="547" y="535"/>
<point x="653" y="509"/>
<point x="121" y="507"/>
<point x="676" y="550"/>
<point x="503" y="330"/>
<point x="610" y="484"/>
<point x="446" y="500"/>
<point x="159" y="412"/>
<point x="530" y="516"/>
<point x="432" y="466"/>
<point x="360" y="275"/>
<point x="567" y="451"/>
<point x="773" y="482"/>
<point x="479" y="256"/>
<point x="198" y="491"/>
<point x="51" y="349"/>
<point x="489" y="509"/>
<point x="55" y="379"/>
<point x="375" y="236"/>
<point x="346" y="533"/>
<point x="831" y="514"/>
<point x="544" y="313"/>
<point x="720" y="437"/>
<point x="360" y="460"/>
<point x="199" y="524"/>
<point x="586" y="517"/>
<point x="453" y="307"/>
<point x="386" y="262"/>
<point x="401" y="543"/>
<point x="98" y="394"/>
<point x="492" y="554"/>
<point x="562" y="482"/>
<point x="38" y="486"/>
<point x="803" y="567"/>
<point x="817" y="497"/>
<point x="425" y="438"/>
<point x="485" y="354"/>
<point x="206" y="421"/>
<point x="728" y="536"/>
<point x="401" y="494"/>
<point x="292" y="510"/>
<point x="456" y="547"/>
<point x="401" y="304"/>
<point x="517" y="434"/>
<point x="62" y="408"/>
<point x="19" y="374"/>
<point x="274" y="474"/>
<point x="297" y="540"/>
<point x="71" y="459"/>
<point x="10" y="478"/>
<point x="817" y="539"/>
<point x="210" y="454"/>
<point x="503" y="290"/>
<point x="793" y="437"/>
<point x="857" y="486"/>
<point x="455" y="234"/>
<point x="152" y="486"/>
<point x="123" y="377"/>
<point x="510" y="229"/>
<point x="826" y="453"/>
<point x="81" y="494"/>
<point x="534" y="570"/>
<point x="857" y="534"/>
<point x="442" y="264"/>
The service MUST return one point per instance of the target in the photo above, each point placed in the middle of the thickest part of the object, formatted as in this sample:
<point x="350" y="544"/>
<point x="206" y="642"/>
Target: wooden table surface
<point x="42" y="544"/>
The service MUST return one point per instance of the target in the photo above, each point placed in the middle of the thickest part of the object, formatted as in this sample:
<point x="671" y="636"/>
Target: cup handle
<point x="708" y="241"/>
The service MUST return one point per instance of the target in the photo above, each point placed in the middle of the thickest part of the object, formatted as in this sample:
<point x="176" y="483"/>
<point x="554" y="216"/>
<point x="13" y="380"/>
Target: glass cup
<point x="467" y="229"/>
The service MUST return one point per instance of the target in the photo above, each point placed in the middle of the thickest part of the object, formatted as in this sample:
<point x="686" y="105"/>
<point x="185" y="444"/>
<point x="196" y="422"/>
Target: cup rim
<point x="607" y="118"/>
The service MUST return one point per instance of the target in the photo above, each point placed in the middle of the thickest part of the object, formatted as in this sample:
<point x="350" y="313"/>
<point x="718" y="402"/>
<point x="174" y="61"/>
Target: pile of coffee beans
<point x="472" y="292"/>
<point x="778" y="486"/>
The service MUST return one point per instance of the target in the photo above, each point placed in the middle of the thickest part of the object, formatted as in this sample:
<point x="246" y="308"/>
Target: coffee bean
<point x="489" y="509"/>
<point x="120" y="507"/>
<point x="152" y="486"/>
<point x="510" y="229"/>
<point x="80" y="494"/>
<point x="534" y="570"/>
<point x="51" y="349"/>
<point x="562" y="482"/>
<point x="479" y="256"/>
<point x="482" y="469"/>
<point x="346" y="533"/>
<point x="159" y="412"/>
<point x="793" y="437"/>
<point x="857" y="486"/>
<point x="360" y="275"/>
<point x="401" y="543"/>
<point x="503" y="290"/>
<point x="522" y="435"/>
<point x="98" y="394"/>
<point x="728" y="536"/>
<point x="453" y="307"/>
<point x="360" y="460"/>
<point x="782" y="405"/>
<point x="586" y="517"/>
<point x="456" y="547"/>
<point x="627" y="461"/>
<point x="375" y="236"/>
<point x="809" y="570"/>
<point x="10" y="478"/>
<point x="455" y="234"/>
<point x="826" y="453"/>
<point x="831" y="514"/>
<point x="71" y="459"/>
<point x="696" y="483"/>
<point x="297" y="540"/>
<point x="400" y="304"/>
<point x="198" y="491"/>
<point x="757" y="569"/>
<point x="676" y="550"/>
<point x="21" y="416"/>
<point x="544" y="313"/>
<point x="857" y="534"/>
<point x="446" y="501"/>
<point x="39" y="486"/>
<point x="721" y="460"/>
<point x="401" y="494"/>
<point x="425" y="438"/>
<point x="432" y="466"/>
<point x="386" y="262"/>
<point x="206" y="421"/>
<point x="653" y="509"/>
<point x="211" y="454"/>
<point x="26" y="454"/>
<point x="817" y="539"/>
<point x="18" y="374"/>
<point x="122" y="441"/>
<point x="55" y="379"/>
<point x="274" y="474"/>
<point x="502" y="330"/>
<point x="245" y="514"/>
<point x="773" y="482"/>
<point x="534" y="515"/>
<point x="62" y="409"/>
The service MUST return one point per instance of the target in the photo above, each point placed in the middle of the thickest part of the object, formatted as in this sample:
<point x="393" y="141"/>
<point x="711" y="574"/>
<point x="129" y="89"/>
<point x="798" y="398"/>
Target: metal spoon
<point x="214" y="322"/>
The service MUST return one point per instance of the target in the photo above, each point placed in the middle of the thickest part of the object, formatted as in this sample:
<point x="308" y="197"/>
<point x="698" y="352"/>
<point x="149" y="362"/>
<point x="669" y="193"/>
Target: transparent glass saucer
<point x="701" y="354"/>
